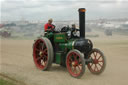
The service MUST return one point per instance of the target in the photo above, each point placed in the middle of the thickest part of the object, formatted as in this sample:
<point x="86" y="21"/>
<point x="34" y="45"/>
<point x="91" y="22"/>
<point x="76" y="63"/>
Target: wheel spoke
<point x="45" y="63"/>
<point x="70" y="59"/>
<point x="91" y="64"/>
<point x="45" y="58"/>
<point x="44" y="51"/>
<point x="100" y="61"/>
<point x="42" y="45"/>
<point x="37" y="49"/>
<point x="97" y="67"/>
<point x="99" y="57"/>
<point x="79" y="60"/>
<point x="94" y="55"/>
<point x="80" y="64"/>
<point x="74" y="70"/>
<point x="42" y="62"/>
<point x="39" y="58"/>
<point x="99" y="64"/>
<point x="79" y="67"/>
<point x="75" y="56"/>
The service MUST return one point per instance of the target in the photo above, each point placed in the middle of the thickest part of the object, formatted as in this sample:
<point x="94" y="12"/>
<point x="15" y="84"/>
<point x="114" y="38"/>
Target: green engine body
<point x="62" y="45"/>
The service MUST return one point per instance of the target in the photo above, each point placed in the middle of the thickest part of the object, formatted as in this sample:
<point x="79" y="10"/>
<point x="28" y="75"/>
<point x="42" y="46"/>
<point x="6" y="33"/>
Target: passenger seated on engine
<point x="49" y="26"/>
<point x="74" y="31"/>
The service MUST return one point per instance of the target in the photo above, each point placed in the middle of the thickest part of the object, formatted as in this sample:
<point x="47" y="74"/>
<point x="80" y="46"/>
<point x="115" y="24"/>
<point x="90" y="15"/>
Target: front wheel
<point x="43" y="53"/>
<point x="98" y="63"/>
<point x="75" y="63"/>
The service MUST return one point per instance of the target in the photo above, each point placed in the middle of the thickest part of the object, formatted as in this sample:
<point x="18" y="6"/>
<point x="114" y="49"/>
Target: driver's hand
<point x="53" y="26"/>
<point x="50" y="30"/>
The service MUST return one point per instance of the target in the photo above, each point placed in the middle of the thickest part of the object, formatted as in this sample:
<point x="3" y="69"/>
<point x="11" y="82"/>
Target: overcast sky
<point x="62" y="9"/>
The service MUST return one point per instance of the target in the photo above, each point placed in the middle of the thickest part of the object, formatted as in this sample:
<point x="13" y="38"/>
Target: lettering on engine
<point x="59" y="38"/>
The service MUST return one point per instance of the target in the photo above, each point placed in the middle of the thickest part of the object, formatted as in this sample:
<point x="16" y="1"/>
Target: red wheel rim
<point x="40" y="54"/>
<point x="97" y="62"/>
<point x="74" y="64"/>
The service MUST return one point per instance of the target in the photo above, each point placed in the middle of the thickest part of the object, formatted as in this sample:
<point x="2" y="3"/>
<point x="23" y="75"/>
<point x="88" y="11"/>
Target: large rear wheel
<point x="75" y="63"/>
<point x="43" y="53"/>
<point x="98" y="63"/>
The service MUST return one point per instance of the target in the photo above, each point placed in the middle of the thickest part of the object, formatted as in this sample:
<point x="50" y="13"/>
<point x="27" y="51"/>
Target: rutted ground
<point x="17" y="62"/>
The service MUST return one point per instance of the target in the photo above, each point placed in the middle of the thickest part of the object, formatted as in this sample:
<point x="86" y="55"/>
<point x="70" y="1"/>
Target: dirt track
<point x="16" y="61"/>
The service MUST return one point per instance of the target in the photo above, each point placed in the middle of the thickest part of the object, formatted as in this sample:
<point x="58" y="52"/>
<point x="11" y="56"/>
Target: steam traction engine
<point x="72" y="53"/>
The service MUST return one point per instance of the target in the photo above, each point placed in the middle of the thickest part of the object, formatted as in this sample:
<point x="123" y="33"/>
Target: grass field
<point x="5" y="82"/>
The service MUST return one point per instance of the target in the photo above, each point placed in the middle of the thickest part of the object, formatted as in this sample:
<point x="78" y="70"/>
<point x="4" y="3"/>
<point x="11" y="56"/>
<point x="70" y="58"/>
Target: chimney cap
<point x="82" y="10"/>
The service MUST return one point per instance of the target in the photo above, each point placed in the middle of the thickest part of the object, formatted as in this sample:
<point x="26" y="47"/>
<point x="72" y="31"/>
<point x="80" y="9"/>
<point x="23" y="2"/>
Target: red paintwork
<point x="74" y="64"/>
<point x="40" y="54"/>
<point x="97" y="63"/>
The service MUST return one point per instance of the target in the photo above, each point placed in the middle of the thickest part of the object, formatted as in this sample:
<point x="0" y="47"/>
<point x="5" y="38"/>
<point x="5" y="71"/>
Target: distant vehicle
<point x="108" y="32"/>
<point x="5" y="33"/>
<point x="1" y="25"/>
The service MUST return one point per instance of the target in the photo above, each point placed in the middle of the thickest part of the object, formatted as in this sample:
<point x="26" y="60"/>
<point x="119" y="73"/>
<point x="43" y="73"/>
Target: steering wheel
<point x="64" y="29"/>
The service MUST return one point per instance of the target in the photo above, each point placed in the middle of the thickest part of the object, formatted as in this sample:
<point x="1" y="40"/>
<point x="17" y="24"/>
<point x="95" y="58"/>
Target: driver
<point x="49" y="26"/>
<point x="74" y="31"/>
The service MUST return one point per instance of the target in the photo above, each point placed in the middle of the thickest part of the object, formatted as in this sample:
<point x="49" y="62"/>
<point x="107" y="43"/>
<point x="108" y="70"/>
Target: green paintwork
<point x="58" y="58"/>
<point x="64" y="44"/>
<point x="60" y="38"/>
<point x="49" y="35"/>
<point x="68" y="45"/>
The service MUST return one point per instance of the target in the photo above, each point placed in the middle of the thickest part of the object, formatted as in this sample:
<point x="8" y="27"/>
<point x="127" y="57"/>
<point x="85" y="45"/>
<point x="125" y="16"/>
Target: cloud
<point x="62" y="9"/>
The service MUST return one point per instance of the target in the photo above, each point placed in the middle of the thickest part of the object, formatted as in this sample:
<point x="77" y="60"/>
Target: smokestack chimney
<point x="82" y="22"/>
